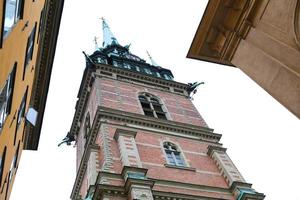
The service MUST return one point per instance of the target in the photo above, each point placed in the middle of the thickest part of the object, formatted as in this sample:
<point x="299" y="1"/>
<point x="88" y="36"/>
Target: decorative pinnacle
<point x="96" y="43"/>
<point x="152" y="61"/>
<point x="108" y="37"/>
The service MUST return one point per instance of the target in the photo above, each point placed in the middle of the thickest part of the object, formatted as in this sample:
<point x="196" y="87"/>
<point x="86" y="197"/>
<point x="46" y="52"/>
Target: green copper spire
<point x="108" y="37"/>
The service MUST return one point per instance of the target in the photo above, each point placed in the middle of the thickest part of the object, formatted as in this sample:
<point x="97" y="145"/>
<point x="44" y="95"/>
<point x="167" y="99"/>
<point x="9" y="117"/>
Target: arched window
<point x="174" y="156"/>
<point x="87" y="125"/>
<point x="151" y="106"/>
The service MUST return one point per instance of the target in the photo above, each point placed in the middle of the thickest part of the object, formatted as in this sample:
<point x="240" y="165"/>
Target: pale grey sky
<point x="262" y="137"/>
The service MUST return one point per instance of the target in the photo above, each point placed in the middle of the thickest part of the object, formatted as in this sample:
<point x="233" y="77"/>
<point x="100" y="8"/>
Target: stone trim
<point x="225" y="165"/>
<point x="129" y="119"/>
<point x="213" y="148"/>
<point x="176" y="196"/>
<point x="191" y="186"/>
<point x="243" y="191"/>
<point x="124" y="74"/>
<point x="128" y="149"/>
<point x="180" y="167"/>
<point x="138" y="192"/>
<point x="124" y="132"/>
<point x="132" y="181"/>
<point x="102" y="190"/>
<point x="108" y="158"/>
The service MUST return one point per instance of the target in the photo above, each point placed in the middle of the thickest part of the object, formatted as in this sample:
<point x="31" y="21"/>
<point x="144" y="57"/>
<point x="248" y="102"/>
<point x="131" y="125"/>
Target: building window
<point x="29" y="48"/>
<point x="21" y="111"/>
<point x="41" y="24"/>
<point x="13" y="12"/>
<point x="151" y="106"/>
<point x="173" y="155"/>
<point x="6" y="94"/>
<point x="2" y="162"/>
<point x="147" y="71"/>
<point x="127" y="66"/>
<point x="87" y="126"/>
<point x="168" y="77"/>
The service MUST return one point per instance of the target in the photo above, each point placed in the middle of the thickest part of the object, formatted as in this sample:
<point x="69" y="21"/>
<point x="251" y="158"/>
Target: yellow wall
<point x="13" y="50"/>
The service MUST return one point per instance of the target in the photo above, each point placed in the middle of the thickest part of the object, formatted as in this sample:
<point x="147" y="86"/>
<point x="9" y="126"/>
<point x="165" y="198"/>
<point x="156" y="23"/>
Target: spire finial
<point x="152" y="61"/>
<point x="108" y="37"/>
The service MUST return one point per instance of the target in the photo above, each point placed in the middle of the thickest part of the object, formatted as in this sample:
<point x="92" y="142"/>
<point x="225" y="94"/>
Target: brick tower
<point x="138" y="135"/>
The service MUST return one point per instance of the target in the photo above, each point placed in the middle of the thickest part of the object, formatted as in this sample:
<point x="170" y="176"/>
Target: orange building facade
<point x="260" y="37"/>
<point x="29" y="31"/>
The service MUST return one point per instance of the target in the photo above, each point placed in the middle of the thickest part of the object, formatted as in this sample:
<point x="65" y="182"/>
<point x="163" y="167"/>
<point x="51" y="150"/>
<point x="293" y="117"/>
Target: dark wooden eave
<point x="44" y="63"/>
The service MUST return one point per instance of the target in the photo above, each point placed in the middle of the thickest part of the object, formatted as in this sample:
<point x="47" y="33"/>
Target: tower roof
<point x="108" y="37"/>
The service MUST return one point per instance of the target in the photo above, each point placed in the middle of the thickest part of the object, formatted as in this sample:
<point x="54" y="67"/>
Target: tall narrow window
<point x="151" y="106"/>
<point x="41" y="24"/>
<point x="174" y="156"/>
<point x="29" y="49"/>
<point x="2" y="162"/>
<point x="6" y="94"/>
<point x="13" y="12"/>
<point x="21" y="111"/>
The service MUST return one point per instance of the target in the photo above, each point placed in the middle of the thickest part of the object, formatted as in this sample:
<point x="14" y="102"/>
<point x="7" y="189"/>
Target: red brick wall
<point x="203" y="169"/>
<point x="124" y="96"/>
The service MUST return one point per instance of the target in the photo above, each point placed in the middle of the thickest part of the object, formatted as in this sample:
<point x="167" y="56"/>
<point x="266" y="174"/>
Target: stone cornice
<point x="191" y="186"/>
<point x="45" y="57"/>
<point x="128" y="119"/>
<point x="176" y="196"/>
<point x="223" y="25"/>
<point x="143" y="78"/>
<point x="213" y="148"/>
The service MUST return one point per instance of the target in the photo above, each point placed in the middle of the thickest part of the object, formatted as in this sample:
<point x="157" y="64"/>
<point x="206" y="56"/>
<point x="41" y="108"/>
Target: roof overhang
<point x="45" y="57"/>
<point x="223" y="25"/>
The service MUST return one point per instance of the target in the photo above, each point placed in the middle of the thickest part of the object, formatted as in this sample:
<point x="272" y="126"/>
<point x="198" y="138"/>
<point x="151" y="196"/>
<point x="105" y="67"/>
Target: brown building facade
<point x="139" y="136"/>
<point x="28" y="35"/>
<point x="260" y="37"/>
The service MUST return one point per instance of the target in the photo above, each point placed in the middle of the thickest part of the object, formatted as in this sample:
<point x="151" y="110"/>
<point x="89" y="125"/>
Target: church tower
<point x="139" y="137"/>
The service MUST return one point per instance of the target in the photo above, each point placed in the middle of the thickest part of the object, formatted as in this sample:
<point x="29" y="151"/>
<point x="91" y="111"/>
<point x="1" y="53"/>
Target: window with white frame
<point x="6" y="94"/>
<point x="173" y="155"/>
<point x="152" y="106"/>
<point x="13" y="12"/>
